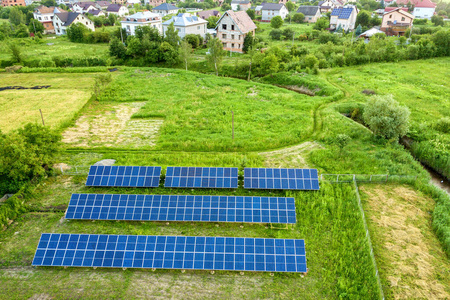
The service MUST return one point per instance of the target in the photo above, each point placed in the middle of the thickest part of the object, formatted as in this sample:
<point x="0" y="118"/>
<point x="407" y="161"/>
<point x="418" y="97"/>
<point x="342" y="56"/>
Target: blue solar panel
<point x="171" y="252"/>
<point x="281" y="179"/>
<point x="123" y="176"/>
<point x="194" y="177"/>
<point x="182" y="208"/>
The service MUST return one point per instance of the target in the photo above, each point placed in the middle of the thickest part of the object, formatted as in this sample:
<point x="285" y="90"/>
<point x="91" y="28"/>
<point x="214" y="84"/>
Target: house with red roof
<point x="423" y="9"/>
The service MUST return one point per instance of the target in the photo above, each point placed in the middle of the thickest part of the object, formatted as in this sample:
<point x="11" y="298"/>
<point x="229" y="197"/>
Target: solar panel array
<point x="171" y="252"/>
<point x="342" y="13"/>
<point x="123" y="176"/>
<point x="182" y="208"/>
<point x="195" y="177"/>
<point x="284" y="179"/>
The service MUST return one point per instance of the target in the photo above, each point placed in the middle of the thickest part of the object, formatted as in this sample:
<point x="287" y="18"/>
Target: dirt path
<point x="291" y="157"/>
<point x="410" y="257"/>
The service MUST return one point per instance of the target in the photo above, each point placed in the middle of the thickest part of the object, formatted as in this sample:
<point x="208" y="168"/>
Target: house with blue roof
<point x="165" y="9"/>
<point x="343" y="18"/>
<point x="186" y="24"/>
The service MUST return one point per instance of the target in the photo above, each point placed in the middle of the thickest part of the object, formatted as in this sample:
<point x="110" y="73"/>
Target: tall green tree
<point x="358" y="30"/>
<point x="290" y="6"/>
<point x="249" y="42"/>
<point x="36" y="27"/>
<point x="212" y="22"/>
<point x="117" y="48"/>
<point x="363" y="19"/>
<point x="172" y="36"/>
<point x="276" y="22"/>
<point x="185" y="53"/>
<point x="386" y="118"/>
<point x="76" y="32"/>
<point x="16" y="17"/>
<point x="251" y="13"/>
<point x="216" y="54"/>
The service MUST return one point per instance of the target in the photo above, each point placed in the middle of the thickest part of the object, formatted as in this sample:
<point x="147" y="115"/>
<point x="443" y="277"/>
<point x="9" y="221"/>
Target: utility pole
<point x="42" y="117"/>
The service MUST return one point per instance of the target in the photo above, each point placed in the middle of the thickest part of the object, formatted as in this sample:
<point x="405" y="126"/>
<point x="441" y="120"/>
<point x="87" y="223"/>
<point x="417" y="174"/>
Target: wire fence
<point x="375" y="178"/>
<point x="73" y="170"/>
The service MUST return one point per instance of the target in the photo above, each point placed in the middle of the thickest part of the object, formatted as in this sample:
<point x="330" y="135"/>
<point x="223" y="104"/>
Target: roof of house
<point x="240" y="2"/>
<point x="342" y="12"/>
<point x="272" y="6"/>
<point x="401" y="11"/>
<point x="165" y="6"/>
<point x="308" y="10"/>
<point x="184" y="20"/>
<point x="103" y="3"/>
<point x="241" y="19"/>
<point x="95" y="12"/>
<point x="48" y="10"/>
<point x="418" y="3"/>
<point x="113" y="7"/>
<point x="208" y="13"/>
<point x="68" y="17"/>
<point x="388" y="9"/>
<point x="371" y="32"/>
<point x="142" y="17"/>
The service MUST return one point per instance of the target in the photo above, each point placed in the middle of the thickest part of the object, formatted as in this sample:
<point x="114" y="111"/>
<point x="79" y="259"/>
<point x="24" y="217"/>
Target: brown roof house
<point x="45" y="15"/>
<point x="396" y="22"/>
<point x="232" y="28"/>
<point x="208" y="13"/>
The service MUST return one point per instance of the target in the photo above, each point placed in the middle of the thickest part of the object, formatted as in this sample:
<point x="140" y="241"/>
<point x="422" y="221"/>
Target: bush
<point x="298" y="18"/>
<point x="325" y="37"/>
<point x="386" y="118"/>
<point x="288" y="33"/>
<point x="322" y="24"/>
<point x="193" y="40"/>
<point x="276" y="34"/>
<point x="276" y="22"/>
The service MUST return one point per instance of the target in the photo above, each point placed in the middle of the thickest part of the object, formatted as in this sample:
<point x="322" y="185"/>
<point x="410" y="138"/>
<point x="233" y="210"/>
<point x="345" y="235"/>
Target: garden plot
<point x="113" y="126"/>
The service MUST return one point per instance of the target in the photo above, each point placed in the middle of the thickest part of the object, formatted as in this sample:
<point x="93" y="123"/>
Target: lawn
<point x="59" y="103"/>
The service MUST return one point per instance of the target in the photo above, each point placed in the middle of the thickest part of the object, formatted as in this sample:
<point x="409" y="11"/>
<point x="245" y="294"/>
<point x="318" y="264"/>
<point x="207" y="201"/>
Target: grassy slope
<point x="59" y="103"/>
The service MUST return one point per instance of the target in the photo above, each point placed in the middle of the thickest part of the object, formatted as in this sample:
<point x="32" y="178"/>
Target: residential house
<point x="186" y="24"/>
<point x="132" y="2"/>
<point x="117" y="9"/>
<point x="62" y="21"/>
<point x="396" y="22"/>
<point x="388" y="9"/>
<point x="84" y="7"/>
<point x="165" y="9"/>
<point x="423" y="9"/>
<point x="102" y="4"/>
<point x="45" y="15"/>
<point x="121" y="2"/>
<point x="141" y="19"/>
<point x="237" y="5"/>
<point x="258" y="8"/>
<point x="13" y="3"/>
<point x="312" y="13"/>
<point x="154" y="3"/>
<point x="270" y="10"/>
<point x="329" y="5"/>
<point x="232" y="28"/>
<point x="208" y="13"/>
<point x="344" y="18"/>
<point x="97" y="13"/>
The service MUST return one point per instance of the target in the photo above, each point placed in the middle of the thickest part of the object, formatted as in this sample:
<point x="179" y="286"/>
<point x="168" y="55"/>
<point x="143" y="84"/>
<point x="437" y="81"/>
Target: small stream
<point x="438" y="180"/>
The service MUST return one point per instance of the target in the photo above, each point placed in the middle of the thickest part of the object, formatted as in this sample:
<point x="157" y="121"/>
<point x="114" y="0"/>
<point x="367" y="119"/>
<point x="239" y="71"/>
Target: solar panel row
<point x="201" y="177"/>
<point x="123" y="176"/>
<point x="170" y="252"/>
<point x="286" y="179"/>
<point x="182" y="208"/>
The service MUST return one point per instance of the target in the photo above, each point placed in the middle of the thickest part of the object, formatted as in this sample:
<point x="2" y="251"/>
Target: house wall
<point x="231" y="37"/>
<point x="60" y="29"/>
<point x="312" y="19"/>
<point x="394" y="16"/>
<point x="13" y="3"/>
<point x="163" y="13"/>
<point x="423" y="12"/>
<point x="191" y="29"/>
<point x="131" y="26"/>
<point x="267" y="15"/>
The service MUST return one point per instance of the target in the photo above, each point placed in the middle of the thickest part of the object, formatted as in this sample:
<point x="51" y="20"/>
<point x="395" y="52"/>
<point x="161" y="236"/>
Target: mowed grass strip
<point x="198" y="108"/>
<point x="67" y="94"/>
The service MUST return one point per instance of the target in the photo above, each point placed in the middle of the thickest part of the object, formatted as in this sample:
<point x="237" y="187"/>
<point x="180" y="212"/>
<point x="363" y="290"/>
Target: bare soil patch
<point x="291" y="157"/>
<point x="412" y="263"/>
<point x="113" y="127"/>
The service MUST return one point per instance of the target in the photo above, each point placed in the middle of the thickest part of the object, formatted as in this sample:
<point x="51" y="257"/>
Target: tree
<point x="36" y="27"/>
<point x="358" y="30"/>
<point x="16" y="17"/>
<point x="22" y="31"/>
<point x="290" y="6"/>
<point x="185" y="53"/>
<point x="169" y="53"/>
<point x="276" y="22"/>
<point x="269" y="65"/>
<point x="276" y="34"/>
<point x="216" y="53"/>
<point x="249" y="42"/>
<point x="192" y="39"/>
<point x="322" y="24"/>
<point x="226" y="7"/>
<point x="172" y="36"/>
<point x="48" y="3"/>
<point x="251" y="13"/>
<point x="385" y="117"/>
<point x="16" y="52"/>
<point x="363" y="18"/>
<point x="375" y="21"/>
<point x="288" y="33"/>
<point x="382" y="4"/>
<point x="437" y="20"/>
<point x="117" y="48"/>
<point x="212" y="22"/>
<point x="112" y="19"/>
<point x="298" y="18"/>
<point x="76" y="32"/>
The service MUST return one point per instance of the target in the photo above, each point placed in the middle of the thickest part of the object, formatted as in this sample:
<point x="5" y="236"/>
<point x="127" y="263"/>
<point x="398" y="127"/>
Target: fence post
<point x="337" y="179"/>
<point x="387" y="175"/>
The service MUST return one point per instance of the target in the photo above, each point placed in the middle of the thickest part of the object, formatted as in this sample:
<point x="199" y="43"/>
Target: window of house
<point x="403" y="18"/>
<point x="232" y="36"/>
<point x="232" y="27"/>
<point x="224" y="44"/>
<point x="224" y="36"/>
<point x="239" y="37"/>
<point x="390" y="17"/>
<point x="224" y="26"/>
<point x="232" y="45"/>
<point x="198" y="27"/>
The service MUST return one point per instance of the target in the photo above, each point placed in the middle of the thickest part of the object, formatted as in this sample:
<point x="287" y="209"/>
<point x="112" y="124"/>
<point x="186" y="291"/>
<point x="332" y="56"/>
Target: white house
<point x="45" y="15"/>
<point x="232" y="28"/>
<point x="424" y="9"/>
<point x="237" y="5"/>
<point x="186" y="24"/>
<point x="61" y="21"/>
<point x="270" y="10"/>
<point x="343" y="17"/>
<point x="117" y="9"/>
<point x="165" y="9"/>
<point x="84" y="7"/>
<point x="146" y="18"/>
<point x="311" y="13"/>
